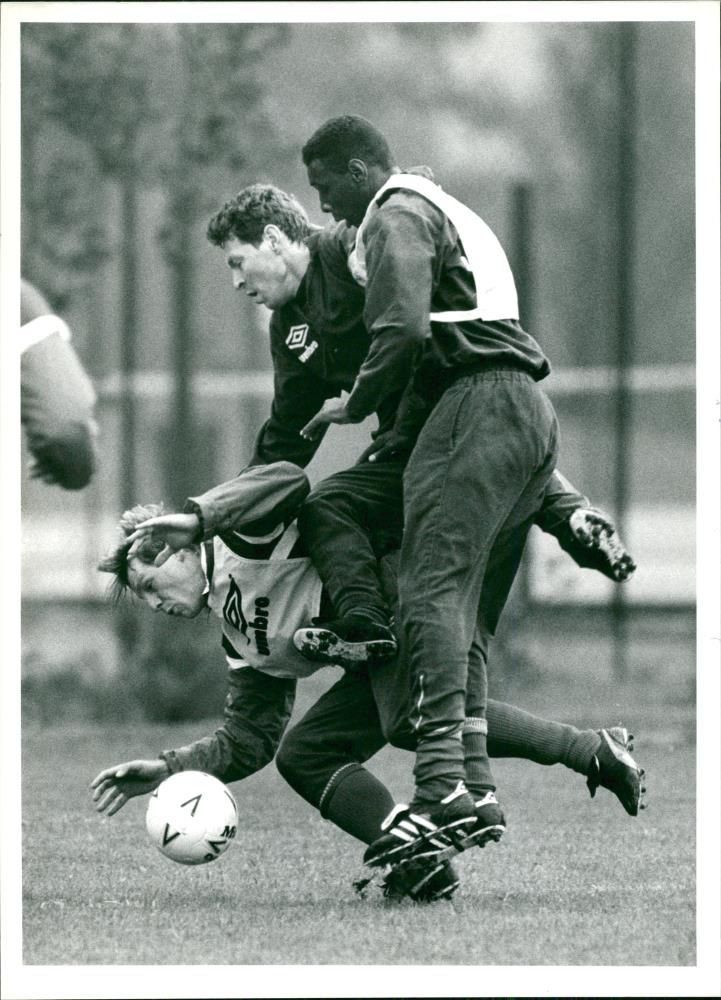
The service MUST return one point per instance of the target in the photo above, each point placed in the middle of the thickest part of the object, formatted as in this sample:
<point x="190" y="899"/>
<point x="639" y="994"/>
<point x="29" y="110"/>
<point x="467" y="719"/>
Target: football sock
<point x="515" y="733"/>
<point x="479" y="778"/>
<point x="357" y="802"/>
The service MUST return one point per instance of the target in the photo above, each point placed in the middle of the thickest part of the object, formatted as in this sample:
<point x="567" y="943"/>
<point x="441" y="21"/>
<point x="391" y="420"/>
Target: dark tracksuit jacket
<point x="317" y="343"/>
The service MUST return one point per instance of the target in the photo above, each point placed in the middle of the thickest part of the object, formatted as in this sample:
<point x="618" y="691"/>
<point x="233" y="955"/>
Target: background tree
<point x="170" y="106"/>
<point x="130" y="107"/>
<point x="216" y="118"/>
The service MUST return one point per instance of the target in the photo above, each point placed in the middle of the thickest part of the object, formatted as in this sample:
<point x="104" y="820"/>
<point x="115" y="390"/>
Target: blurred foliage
<point x="66" y="694"/>
<point x="489" y="105"/>
<point x="163" y="104"/>
<point x="65" y="240"/>
<point x="173" y="671"/>
<point x="177" y="669"/>
<point x="216" y="118"/>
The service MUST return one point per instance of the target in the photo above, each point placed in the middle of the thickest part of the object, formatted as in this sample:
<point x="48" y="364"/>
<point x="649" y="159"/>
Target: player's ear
<point x="358" y="170"/>
<point x="273" y="237"/>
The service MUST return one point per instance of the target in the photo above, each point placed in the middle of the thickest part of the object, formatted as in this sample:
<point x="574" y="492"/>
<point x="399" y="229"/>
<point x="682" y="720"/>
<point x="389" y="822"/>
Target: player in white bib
<point x="442" y="313"/>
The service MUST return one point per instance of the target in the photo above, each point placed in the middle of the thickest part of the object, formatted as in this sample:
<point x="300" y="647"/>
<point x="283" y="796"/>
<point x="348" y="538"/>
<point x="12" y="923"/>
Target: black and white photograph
<point x="374" y="348"/>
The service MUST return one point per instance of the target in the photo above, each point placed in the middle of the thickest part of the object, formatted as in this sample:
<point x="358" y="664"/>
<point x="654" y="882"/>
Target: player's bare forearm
<point x="115" y="785"/>
<point x="333" y="411"/>
<point x="177" y="531"/>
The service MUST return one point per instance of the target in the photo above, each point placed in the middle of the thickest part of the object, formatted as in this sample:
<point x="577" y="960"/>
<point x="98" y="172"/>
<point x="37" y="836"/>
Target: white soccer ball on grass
<point x="192" y="818"/>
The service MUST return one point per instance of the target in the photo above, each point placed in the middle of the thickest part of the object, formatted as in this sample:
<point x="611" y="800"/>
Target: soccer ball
<point x="192" y="818"/>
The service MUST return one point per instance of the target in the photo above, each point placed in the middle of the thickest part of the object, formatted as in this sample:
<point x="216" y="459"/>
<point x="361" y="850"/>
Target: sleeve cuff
<point x="193" y="507"/>
<point x="38" y="329"/>
<point x="355" y="412"/>
<point x="171" y="759"/>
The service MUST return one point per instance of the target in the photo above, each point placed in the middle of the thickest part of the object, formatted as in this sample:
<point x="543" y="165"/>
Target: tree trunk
<point x="182" y="443"/>
<point x="129" y="331"/>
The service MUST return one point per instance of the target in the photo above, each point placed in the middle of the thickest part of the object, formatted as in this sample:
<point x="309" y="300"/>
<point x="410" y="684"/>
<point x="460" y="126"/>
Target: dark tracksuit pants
<point x="352" y="518"/>
<point x="472" y="486"/>
<point x="321" y="757"/>
<point x="348" y="522"/>
<point x="348" y="724"/>
<point x="352" y="721"/>
<point x="367" y="709"/>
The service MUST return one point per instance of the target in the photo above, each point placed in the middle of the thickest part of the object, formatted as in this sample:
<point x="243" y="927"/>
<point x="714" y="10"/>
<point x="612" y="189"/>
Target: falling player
<point x="236" y="550"/>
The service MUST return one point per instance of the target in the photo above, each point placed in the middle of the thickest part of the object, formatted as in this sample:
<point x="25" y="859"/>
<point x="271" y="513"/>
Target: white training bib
<point x="38" y="329"/>
<point x="496" y="296"/>
<point x="262" y="602"/>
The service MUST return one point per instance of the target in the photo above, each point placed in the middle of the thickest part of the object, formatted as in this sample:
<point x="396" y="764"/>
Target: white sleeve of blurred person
<point x="57" y="399"/>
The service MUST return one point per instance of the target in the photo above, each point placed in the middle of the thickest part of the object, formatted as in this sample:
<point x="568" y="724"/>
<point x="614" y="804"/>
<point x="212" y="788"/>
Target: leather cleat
<point x="439" y="830"/>
<point x="349" y="642"/>
<point x="614" y="768"/>
<point x="422" y="881"/>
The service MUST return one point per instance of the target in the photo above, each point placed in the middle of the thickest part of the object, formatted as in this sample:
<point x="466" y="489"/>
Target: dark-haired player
<point x="441" y="309"/>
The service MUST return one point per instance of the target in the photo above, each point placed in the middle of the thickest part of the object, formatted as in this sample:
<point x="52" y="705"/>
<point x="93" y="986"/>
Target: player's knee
<point x="400" y="735"/>
<point x="299" y="766"/>
<point x="291" y="758"/>
<point x="323" y="497"/>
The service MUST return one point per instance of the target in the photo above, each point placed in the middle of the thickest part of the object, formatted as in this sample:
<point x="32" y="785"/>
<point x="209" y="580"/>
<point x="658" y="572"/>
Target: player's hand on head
<point x="333" y="411"/>
<point x="177" y="531"/>
<point x="115" y="785"/>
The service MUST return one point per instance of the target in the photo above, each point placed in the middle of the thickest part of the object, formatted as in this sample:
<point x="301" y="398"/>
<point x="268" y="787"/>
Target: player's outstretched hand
<point x="177" y="531"/>
<point x="333" y="411"/>
<point x="596" y="531"/>
<point x="115" y="785"/>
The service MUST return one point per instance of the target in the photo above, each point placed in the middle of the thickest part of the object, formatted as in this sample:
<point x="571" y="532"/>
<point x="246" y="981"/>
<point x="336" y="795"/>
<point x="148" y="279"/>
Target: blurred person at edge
<point x="57" y="399"/>
<point x="236" y="550"/>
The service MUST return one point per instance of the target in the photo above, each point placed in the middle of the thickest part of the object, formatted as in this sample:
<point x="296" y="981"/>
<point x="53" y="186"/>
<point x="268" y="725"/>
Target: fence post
<point x="625" y="320"/>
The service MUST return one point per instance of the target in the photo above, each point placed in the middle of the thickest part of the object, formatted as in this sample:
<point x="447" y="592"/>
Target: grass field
<point x="575" y="881"/>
